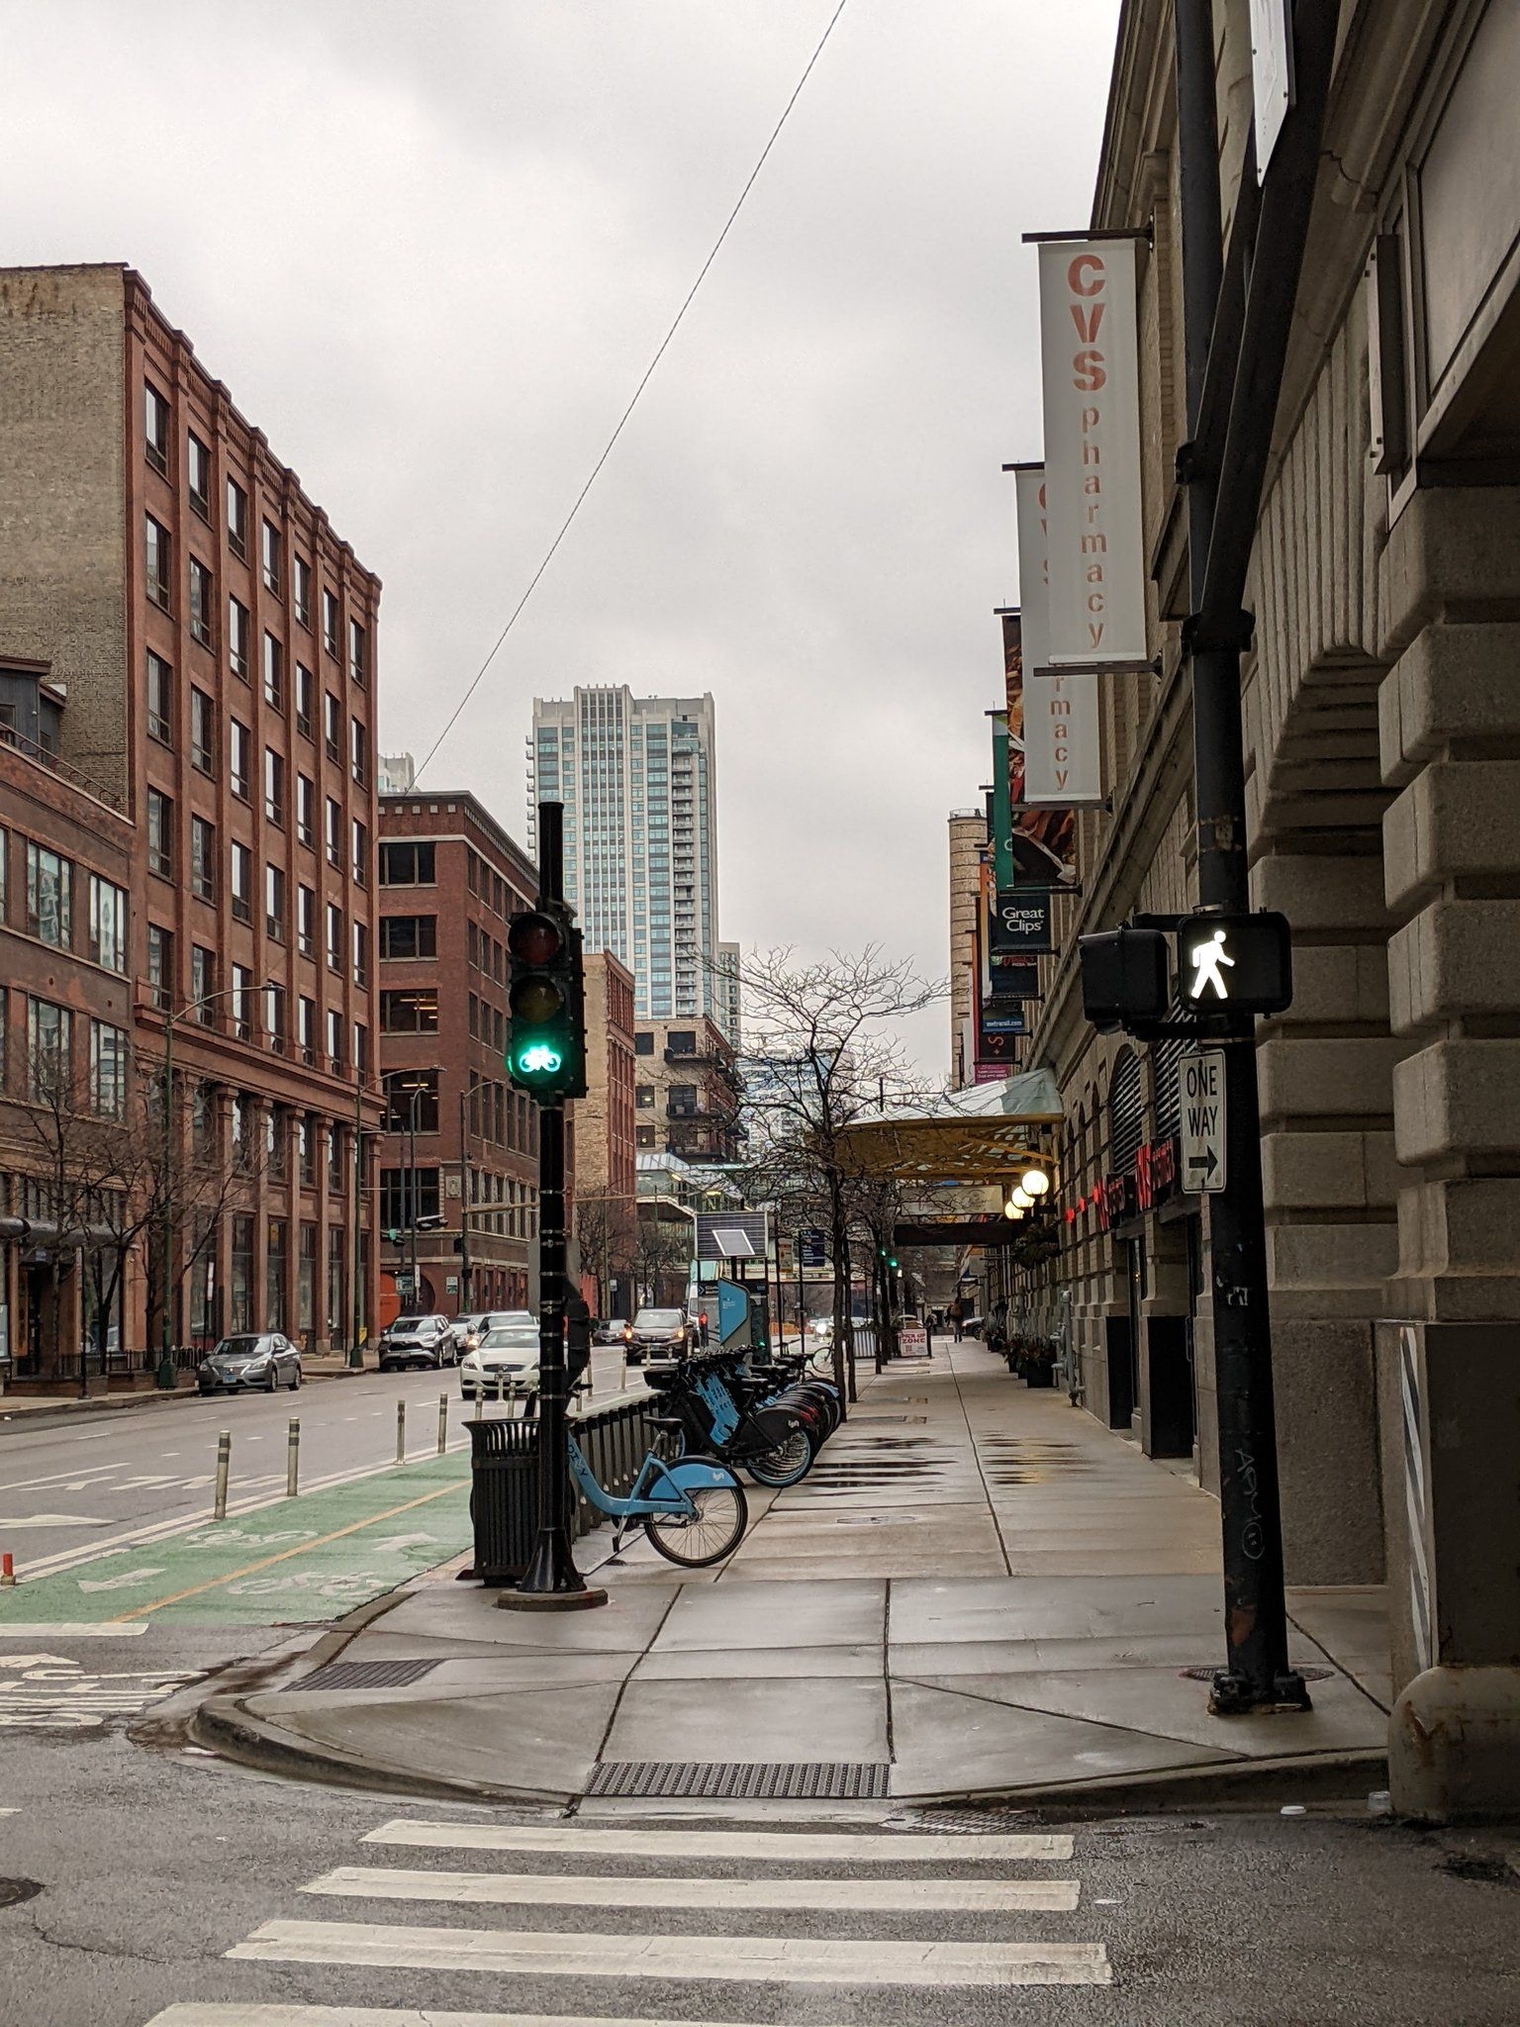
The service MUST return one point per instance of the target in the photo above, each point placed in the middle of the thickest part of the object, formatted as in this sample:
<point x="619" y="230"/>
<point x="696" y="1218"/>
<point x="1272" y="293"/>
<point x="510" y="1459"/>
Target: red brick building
<point x="458" y="1139"/>
<point x="216" y="642"/>
<point x="605" y="1152"/>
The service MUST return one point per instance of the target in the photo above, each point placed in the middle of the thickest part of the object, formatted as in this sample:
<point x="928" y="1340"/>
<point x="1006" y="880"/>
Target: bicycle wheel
<point x="784" y="1465"/>
<point x="706" y="1536"/>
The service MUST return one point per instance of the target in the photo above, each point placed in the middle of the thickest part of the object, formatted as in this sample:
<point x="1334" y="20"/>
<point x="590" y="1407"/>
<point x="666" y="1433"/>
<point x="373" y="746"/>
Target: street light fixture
<point x="1034" y="1181"/>
<point x="1022" y="1198"/>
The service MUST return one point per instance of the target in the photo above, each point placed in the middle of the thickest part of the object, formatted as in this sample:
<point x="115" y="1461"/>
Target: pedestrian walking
<point x="957" y="1315"/>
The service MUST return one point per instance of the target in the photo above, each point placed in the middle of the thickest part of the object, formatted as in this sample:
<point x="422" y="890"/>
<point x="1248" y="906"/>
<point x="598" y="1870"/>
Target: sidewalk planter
<point x="504" y="1480"/>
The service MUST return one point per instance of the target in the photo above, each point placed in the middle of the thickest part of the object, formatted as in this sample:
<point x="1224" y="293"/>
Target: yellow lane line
<point x="305" y="1548"/>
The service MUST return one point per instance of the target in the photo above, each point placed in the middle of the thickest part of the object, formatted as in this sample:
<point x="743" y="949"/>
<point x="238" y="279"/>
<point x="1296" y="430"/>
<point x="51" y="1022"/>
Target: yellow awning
<point x="980" y="1135"/>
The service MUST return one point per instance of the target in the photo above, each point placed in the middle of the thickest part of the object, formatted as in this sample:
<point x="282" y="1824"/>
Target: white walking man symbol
<point x="1207" y="958"/>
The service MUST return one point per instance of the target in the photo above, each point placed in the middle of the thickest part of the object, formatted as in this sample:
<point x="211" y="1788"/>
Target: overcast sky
<point x="431" y="245"/>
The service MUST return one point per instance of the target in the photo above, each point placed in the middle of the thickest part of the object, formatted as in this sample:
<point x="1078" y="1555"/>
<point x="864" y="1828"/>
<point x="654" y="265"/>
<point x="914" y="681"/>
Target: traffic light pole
<point x="552" y="1581"/>
<point x="1239" y="329"/>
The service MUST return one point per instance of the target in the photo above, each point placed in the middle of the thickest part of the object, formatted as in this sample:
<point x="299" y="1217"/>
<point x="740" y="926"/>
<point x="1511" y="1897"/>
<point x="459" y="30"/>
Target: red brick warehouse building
<point x="458" y="1138"/>
<point x="215" y="640"/>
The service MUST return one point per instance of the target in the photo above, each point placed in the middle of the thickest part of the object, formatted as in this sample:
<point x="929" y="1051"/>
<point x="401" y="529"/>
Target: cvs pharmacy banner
<point x="1062" y="763"/>
<point x="1089" y="351"/>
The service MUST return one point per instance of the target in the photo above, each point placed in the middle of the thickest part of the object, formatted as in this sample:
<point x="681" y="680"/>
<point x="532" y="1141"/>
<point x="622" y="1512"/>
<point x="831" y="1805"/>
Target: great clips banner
<point x="1089" y="348"/>
<point x="1062" y="756"/>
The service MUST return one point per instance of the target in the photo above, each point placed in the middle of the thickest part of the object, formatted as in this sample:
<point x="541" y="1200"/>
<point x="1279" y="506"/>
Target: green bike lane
<point x="298" y="1560"/>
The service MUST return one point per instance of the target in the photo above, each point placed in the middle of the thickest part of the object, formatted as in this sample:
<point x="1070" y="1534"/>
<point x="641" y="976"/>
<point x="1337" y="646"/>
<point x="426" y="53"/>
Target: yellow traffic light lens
<point x="537" y="1000"/>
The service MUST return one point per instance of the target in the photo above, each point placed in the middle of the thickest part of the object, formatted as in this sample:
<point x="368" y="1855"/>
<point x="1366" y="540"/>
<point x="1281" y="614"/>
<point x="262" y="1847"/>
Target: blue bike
<point x="693" y="1510"/>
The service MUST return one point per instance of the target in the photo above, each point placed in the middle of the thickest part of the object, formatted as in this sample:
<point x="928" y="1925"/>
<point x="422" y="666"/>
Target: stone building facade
<point x="968" y="841"/>
<point x="686" y="1090"/>
<point x="1382" y="722"/>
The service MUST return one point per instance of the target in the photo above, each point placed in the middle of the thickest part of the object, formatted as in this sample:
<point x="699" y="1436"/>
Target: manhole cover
<point x="717" y="1780"/>
<point x="14" y="1891"/>
<point x="366" y="1675"/>
<point x="1208" y="1674"/>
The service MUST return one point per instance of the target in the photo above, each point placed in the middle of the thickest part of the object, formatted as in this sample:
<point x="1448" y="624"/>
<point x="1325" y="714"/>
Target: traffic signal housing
<point x="1126" y="977"/>
<point x="546" y="1046"/>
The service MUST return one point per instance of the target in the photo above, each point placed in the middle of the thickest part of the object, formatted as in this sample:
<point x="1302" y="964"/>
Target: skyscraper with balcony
<point x="638" y="779"/>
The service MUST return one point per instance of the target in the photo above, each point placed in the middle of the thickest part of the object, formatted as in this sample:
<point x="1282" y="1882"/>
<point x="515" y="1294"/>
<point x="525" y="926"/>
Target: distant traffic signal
<point x="546" y="1045"/>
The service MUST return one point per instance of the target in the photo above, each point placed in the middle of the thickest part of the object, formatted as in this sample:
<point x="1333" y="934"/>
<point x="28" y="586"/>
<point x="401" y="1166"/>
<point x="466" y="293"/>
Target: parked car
<point x="262" y="1359"/>
<point x="469" y="1330"/>
<point x="417" y="1340"/>
<point x="659" y="1333"/>
<point x="505" y="1358"/>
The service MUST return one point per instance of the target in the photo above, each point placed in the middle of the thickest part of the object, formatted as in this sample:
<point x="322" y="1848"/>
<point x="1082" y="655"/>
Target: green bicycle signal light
<point x="545" y="1048"/>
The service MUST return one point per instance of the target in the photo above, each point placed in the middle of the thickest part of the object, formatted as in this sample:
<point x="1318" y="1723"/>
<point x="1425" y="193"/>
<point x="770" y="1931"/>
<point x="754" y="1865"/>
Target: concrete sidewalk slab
<point x="1004" y="1606"/>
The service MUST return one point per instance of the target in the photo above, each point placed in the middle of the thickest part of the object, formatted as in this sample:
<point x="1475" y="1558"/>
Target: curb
<point x="106" y="1404"/>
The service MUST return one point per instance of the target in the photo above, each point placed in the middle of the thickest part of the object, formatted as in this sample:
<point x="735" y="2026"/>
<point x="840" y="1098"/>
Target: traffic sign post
<point x="1205" y="1147"/>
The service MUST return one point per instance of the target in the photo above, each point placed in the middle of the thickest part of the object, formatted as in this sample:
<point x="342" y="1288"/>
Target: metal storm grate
<point x="822" y="1780"/>
<point x="1207" y="1674"/>
<point x="365" y="1675"/>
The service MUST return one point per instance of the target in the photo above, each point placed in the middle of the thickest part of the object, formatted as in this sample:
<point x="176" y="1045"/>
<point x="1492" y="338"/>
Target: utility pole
<point x="411" y="1194"/>
<point x="356" y="1323"/>
<point x="465" y="1303"/>
<point x="1241" y="332"/>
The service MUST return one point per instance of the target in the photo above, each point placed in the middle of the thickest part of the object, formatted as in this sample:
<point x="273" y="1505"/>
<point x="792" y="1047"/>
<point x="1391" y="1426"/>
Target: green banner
<point x="1002" y="805"/>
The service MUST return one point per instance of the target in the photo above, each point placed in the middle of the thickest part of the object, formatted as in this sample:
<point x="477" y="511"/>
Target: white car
<point x="504" y="1361"/>
<point x="469" y="1330"/>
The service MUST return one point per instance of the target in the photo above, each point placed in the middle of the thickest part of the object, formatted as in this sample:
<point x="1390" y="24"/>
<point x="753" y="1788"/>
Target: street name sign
<point x="1200" y="1079"/>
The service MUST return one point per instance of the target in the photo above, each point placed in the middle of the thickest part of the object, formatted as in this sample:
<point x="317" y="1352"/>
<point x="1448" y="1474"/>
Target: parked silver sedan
<point x="263" y="1360"/>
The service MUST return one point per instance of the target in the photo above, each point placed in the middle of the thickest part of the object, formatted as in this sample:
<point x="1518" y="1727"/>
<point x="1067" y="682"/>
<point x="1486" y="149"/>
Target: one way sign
<point x="1201" y="1079"/>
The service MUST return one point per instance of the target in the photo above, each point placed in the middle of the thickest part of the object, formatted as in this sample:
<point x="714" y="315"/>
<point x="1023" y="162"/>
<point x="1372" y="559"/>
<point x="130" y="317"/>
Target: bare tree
<point x="821" y="1053"/>
<point x="605" y="1226"/>
<point x="661" y="1245"/>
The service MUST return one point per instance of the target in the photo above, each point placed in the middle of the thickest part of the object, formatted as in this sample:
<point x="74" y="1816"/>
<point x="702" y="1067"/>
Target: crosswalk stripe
<point x="727" y="1959"/>
<point x="786" y="1847"/>
<point x="821" y="1896"/>
<point x="381" y="2016"/>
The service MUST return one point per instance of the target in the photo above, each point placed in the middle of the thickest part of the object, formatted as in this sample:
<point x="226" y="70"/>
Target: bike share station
<point x="667" y="1464"/>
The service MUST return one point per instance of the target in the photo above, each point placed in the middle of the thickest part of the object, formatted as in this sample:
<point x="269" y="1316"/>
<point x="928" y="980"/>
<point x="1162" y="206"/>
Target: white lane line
<point x="380" y="2016"/>
<point x="832" y="1848"/>
<point x="64" y="1630"/>
<point x="844" y="1896"/>
<point x="55" y="1519"/>
<point x="780" y="1960"/>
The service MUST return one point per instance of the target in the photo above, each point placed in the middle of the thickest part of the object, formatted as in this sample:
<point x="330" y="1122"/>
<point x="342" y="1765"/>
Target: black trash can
<point x="503" y="1497"/>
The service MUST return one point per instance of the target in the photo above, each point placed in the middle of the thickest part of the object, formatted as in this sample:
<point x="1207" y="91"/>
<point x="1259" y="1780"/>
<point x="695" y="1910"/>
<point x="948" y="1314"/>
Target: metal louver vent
<point x="1126" y="1113"/>
<point x="836" y="1780"/>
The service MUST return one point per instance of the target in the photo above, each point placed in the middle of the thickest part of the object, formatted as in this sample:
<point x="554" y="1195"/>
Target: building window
<point x="242" y="1021"/>
<point x="274" y="786"/>
<point x="404" y="864"/>
<point x="409" y="936"/>
<point x="643" y="1044"/>
<point x="198" y="475"/>
<point x="202" y="858"/>
<point x="305" y="699"/>
<point x="160" y="966"/>
<point x="358" y="652"/>
<point x="108" y="924"/>
<point x="300" y="589"/>
<point x="643" y="1097"/>
<point x="160" y="688"/>
<point x="239" y="757"/>
<point x="274" y="903"/>
<point x="108" y="1070"/>
<point x="274" y="673"/>
<point x="306" y="922"/>
<point x="361" y="1049"/>
<point x="307" y="1032"/>
<point x="274" y="576"/>
<point x="334" y="834"/>
<point x="332" y="726"/>
<point x="335" y="1041"/>
<point x="201" y="603"/>
<point x="644" y="1136"/>
<point x="156" y="428"/>
<point x="337" y="1283"/>
<point x="411" y="1096"/>
<point x="360" y="842"/>
<point x="334" y="937"/>
<point x="330" y="621"/>
<point x="202" y="982"/>
<point x="274" y="1024"/>
<point x="242" y="883"/>
<point x="49" y="1052"/>
<point x="237" y="519"/>
<point x="361" y="953"/>
<point x="237" y="637"/>
<point x="160" y="834"/>
<point x="359" y="753"/>
<point x="410" y="1013"/>
<point x="276" y="1263"/>
<point x="49" y="892"/>
<point x="400" y="1207"/>
<point x="240" y="1285"/>
<point x="306" y="809"/>
<point x="156" y="561"/>
<point x="202" y="731"/>
<point x="306" y="1150"/>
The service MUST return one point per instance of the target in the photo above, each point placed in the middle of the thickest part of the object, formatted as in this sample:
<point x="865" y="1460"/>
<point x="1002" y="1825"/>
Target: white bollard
<point x="223" y="1466"/>
<point x="293" y="1460"/>
<point x="443" y="1423"/>
<point x="401" y="1432"/>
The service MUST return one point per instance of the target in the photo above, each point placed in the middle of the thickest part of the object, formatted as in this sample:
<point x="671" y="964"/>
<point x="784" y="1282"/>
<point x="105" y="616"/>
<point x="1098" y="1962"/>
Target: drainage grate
<point x="1208" y="1674"/>
<point x="720" y="1780"/>
<point x="366" y="1675"/>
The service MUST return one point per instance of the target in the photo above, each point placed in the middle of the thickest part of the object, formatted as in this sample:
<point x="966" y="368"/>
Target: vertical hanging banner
<point x="1044" y="840"/>
<point x="1090" y="369"/>
<point x="1062" y="756"/>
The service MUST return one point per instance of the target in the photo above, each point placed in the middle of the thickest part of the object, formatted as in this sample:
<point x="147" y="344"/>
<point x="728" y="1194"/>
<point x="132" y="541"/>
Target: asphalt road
<point x="163" y="1879"/>
<point x="84" y="1482"/>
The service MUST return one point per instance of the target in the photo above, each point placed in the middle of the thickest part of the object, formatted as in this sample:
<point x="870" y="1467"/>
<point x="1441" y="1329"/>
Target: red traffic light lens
<point x="535" y="939"/>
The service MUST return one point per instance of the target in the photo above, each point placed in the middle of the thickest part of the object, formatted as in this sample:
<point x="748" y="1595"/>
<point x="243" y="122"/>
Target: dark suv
<point x="659" y="1333"/>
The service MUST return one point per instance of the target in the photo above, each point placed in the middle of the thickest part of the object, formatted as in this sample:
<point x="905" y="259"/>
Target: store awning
<point x="979" y="1135"/>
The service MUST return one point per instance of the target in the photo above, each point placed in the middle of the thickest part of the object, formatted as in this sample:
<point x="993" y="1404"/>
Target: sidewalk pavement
<point x="977" y="1592"/>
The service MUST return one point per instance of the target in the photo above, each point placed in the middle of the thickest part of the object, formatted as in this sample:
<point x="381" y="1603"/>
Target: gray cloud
<point x="431" y="248"/>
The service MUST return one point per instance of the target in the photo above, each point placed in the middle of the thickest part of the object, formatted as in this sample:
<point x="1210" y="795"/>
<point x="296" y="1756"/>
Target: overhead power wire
<point x="648" y="375"/>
